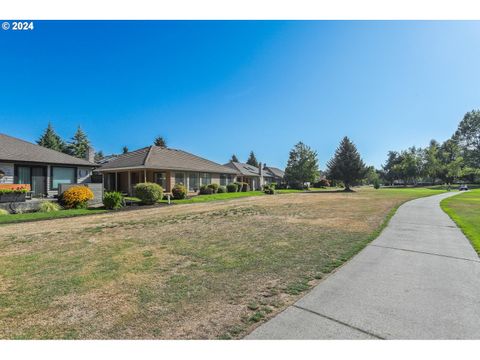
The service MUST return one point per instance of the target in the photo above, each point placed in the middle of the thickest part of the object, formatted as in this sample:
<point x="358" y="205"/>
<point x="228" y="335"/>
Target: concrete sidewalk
<point x="420" y="279"/>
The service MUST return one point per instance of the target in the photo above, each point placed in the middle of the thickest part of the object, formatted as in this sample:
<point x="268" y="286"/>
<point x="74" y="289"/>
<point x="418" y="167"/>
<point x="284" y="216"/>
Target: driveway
<point x="420" y="279"/>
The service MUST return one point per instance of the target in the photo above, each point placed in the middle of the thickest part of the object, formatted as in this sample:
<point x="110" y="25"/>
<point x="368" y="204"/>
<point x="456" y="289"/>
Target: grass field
<point x="464" y="209"/>
<point x="206" y="270"/>
<point x="17" y="218"/>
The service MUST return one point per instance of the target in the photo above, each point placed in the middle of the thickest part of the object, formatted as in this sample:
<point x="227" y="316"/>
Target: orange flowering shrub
<point x="76" y="197"/>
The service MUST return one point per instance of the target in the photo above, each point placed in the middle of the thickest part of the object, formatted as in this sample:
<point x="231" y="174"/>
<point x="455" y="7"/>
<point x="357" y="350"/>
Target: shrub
<point x="376" y="183"/>
<point x="222" y="189"/>
<point x="4" y="212"/>
<point x="322" y="183"/>
<point x="179" y="192"/>
<point x="76" y="197"/>
<point x="148" y="193"/>
<point x="214" y="187"/>
<point x="206" y="190"/>
<point x="113" y="200"/>
<point x="49" y="206"/>
<point x="232" y="188"/>
<point x="269" y="191"/>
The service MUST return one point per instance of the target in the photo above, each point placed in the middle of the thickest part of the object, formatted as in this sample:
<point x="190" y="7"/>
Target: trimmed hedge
<point x="231" y="188"/>
<point x="149" y="193"/>
<point x="179" y="192"/>
<point x="214" y="187"/>
<point x="222" y="189"/>
<point x="206" y="190"/>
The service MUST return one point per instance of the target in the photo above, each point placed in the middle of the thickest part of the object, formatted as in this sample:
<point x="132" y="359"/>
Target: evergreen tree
<point x="252" y="160"/>
<point x="160" y="141"/>
<point x="98" y="156"/>
<point x="302" y="166"/>
<point x="467" y="137"/>
<point x="79" y="144"/>
<point x="51" y="140"/>
<point x="346" y="165"/>
<point x="234" y="158"/>
<point x="125" y="149"/>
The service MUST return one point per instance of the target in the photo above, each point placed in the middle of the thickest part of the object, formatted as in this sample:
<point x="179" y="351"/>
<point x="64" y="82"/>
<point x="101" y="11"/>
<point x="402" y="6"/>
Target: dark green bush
<point x="206" y="190"/>
<point x="269" y="189"/>
<point x="179" y="192"/>
<point x="113" y="200"/>
<point x="322" y="183"/>
<point x="222" y="189"/>
<point x="376" y="183"/>
<point x="148" y="193"/>
<point x="214" y="187"/>
<point x="232" y="188"/>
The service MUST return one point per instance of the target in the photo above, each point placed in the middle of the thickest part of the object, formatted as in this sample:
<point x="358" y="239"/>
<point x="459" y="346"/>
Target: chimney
<point x="90" y="156"/>
<point x="264" y="166"/>
<point x="260" y="169"/>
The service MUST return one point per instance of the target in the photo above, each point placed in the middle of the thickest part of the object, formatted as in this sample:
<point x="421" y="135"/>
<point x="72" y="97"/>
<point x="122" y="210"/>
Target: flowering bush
<point x="76" y="197"/>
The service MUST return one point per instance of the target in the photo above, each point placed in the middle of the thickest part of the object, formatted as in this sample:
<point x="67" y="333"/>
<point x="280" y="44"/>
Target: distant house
<point x="22" y="162"/>
<point x="256" y="177"/>
<point x="164" y="166"/>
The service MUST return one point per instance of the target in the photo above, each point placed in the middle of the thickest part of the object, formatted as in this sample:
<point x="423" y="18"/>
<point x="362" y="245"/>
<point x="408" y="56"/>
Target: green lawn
<point x="17" y="218"/>
<point x="464" y="209"/>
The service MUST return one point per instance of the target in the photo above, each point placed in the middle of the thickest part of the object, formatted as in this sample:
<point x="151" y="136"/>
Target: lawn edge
<point x="458" y="221"/>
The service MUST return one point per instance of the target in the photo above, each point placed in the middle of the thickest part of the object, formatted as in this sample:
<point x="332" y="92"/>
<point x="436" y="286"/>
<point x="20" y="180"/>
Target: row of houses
<point x="22" y="162"/>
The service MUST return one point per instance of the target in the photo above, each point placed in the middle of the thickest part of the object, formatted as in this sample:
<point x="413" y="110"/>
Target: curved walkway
<point x="420" y="279"/>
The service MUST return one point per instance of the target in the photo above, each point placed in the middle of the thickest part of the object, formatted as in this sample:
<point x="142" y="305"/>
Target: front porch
<point x="124" y="181"/>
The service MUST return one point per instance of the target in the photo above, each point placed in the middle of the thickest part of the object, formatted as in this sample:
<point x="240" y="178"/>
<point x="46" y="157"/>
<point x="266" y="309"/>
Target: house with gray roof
<point x="256" y="177"/>
<point x="22" y="162"/>
<point x="164" y="166"/>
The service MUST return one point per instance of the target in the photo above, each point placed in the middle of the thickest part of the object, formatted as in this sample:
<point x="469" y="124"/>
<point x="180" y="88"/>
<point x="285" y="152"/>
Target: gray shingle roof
<point x="244" y="169"/>
<point x="156" y="157"/>
<point x="276" y="171"/>
<point x="13" y="149"/>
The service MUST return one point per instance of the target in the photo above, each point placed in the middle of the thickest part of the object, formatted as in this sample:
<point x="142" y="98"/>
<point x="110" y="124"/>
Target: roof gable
<point x="156" y="157"/>
<point x="13" y="149"/>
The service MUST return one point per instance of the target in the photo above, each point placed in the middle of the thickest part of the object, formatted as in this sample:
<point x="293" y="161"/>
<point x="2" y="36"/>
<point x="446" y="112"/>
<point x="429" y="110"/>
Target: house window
<point x="161" y="179"/>
<point x="63" y="175"/>
<point x="224" y="179"/>
<point x="24" y="175"/>
<point x="206" y="179"/>
<point x="180" y="178"/>
<point x="193" y="182"/>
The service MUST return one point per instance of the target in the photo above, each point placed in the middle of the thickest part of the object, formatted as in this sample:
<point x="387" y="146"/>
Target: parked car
<point x="463" y="188"/>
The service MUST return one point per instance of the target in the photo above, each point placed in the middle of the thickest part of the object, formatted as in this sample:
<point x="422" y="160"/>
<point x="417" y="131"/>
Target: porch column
<point x="145" y="175"/>
<point x="129" y="175"/>
<point x="116" y="181"/>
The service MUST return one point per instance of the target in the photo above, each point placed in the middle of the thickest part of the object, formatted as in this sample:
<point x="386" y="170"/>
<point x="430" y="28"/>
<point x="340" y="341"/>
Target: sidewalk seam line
<point x="338" y="321"/>
<point x="424" y="252"/>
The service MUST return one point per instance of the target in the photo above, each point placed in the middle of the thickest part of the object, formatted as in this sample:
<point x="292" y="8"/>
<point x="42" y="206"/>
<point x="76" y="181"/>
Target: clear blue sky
<point x="217" y="88"/>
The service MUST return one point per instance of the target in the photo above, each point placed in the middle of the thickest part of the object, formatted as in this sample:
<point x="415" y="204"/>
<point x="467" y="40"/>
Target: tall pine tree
<point x="234" y="158"/>
<point x="302" y="166"/>
<point x="51" y="140"/>
<point x="125" y="149"/>
<point x="346" y="165"/>
<point x="252" y="160"/>
<point x="79" y="144"/>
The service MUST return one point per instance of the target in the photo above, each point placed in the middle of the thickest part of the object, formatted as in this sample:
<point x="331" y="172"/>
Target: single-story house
<point x="22" y="162"/>
<point x="256" y="177"/>
<point x="164" y="166"/>
<point x="273" y="174"/>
